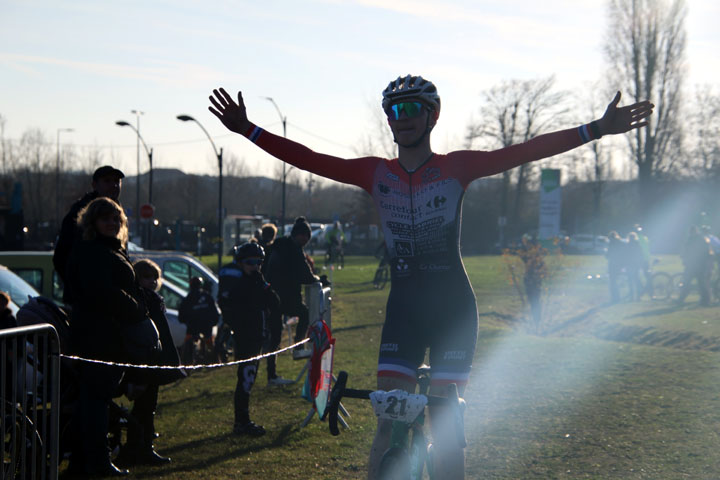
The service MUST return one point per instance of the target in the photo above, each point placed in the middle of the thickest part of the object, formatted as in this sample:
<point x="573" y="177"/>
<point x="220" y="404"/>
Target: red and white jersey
<point x="420" y="210"/>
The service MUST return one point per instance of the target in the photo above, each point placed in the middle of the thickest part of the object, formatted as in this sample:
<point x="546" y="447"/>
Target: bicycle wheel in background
<point x="678" y="282"/>
<point x="661" y="287"/>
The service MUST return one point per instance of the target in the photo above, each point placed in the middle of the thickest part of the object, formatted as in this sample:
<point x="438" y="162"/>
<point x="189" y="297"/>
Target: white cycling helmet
<point x="411" y="87"/>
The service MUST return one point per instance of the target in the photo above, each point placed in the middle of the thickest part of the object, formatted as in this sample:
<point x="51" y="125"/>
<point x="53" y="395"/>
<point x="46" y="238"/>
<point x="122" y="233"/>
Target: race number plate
<point x="397" y="405"/>
<point x="323" y="392"/>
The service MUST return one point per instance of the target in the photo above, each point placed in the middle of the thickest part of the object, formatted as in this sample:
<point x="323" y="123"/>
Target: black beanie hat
<point x="301" y="227"/>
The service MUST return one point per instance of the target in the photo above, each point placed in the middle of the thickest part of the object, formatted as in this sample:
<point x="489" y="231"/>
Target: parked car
<point x="179" y="268"/>
<point x="18" y="289"/>
<point x="37" y="270"/>
<point x="173" y="295"/>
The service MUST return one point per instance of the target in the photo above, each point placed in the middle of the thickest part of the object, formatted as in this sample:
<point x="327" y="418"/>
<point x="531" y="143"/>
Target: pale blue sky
<point x="85" y="64"/>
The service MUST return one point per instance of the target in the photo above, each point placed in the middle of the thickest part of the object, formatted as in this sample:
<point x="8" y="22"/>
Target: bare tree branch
<point x="645" y="49"/>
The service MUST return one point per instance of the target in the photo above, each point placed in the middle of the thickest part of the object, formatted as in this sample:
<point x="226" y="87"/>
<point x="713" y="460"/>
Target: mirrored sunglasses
<point x="411" y="109"/>
<point x="253" y="261"/>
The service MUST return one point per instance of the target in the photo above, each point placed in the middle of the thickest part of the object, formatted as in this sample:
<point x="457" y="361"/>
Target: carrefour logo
<point x="437" y="202"/>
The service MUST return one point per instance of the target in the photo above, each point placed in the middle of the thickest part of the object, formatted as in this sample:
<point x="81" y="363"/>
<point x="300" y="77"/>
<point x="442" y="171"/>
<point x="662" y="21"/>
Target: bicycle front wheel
<point x="395" y="465"/>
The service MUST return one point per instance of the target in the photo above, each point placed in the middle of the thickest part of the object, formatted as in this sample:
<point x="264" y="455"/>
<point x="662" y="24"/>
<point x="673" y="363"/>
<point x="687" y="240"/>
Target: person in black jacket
<point x="199" y="312"/>
<point x="268" y="232"/>
<point x="142" y="384"/>
<point x="698" y="259"/>
<point x="246" y="300"/>
<point x="106" y="301"/>
<point x="106" y="182"/>
<point x="287" y="270"/>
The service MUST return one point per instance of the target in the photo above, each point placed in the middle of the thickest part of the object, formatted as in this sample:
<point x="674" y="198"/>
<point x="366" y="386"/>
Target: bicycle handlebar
<point x="340" y="390"/>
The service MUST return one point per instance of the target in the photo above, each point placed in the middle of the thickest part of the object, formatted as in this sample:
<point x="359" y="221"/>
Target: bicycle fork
<point x="420" y="451"/>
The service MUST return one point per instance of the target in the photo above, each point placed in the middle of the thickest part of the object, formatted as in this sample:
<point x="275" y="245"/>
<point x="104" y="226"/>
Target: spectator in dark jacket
<point x="142" y="384"/>
<point x="616" y="255"/>
<point x="698" y="259"/>
<point x="634" y="264"/>
<point x="287" y="271"/>
<point x="268" y="232"/>
<point x="246" y="300"/>
<point x="106" y="182"/>
<point x="106" y="300"/>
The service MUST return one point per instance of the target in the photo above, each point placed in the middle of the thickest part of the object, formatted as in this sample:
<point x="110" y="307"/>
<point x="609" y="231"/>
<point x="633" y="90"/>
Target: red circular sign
<point x="147" y="211"/>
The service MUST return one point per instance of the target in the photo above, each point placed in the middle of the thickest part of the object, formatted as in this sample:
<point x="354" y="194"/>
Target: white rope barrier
<point x="187" y="367"/>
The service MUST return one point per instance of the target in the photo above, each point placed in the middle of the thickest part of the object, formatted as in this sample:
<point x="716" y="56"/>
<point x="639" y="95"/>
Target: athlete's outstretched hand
<point x="231" y="114"/>
<point x="623" y="119"/>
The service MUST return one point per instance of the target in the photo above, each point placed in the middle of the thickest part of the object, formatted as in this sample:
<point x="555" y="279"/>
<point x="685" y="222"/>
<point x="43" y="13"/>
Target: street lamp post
<point x="137" y="114"/>
<point x="149" y="152"/>
<point x="218" y="154"/>
<point x="284" y="165"/>
<point x="57" y="176"/>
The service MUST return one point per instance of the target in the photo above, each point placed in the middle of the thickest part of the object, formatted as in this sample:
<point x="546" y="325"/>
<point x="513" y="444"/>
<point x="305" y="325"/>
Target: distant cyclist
<point x="334" y="240"/>
<point x="419" y="197"/>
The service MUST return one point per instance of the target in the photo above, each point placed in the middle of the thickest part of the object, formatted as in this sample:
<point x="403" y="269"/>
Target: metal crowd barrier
<point x="318" y="301"/>
<point x="29" y="402"/>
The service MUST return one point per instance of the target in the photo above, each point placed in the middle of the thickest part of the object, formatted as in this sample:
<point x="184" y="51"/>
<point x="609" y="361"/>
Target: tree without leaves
<point x="6" y="156"/>
<point x="645" y="49"/>
<point x="704" y="140"/>
<point x="595" y="167"/>
<point x="514" y="112"/>
<point x="35" y="162"/>
<point x="4" y="148"/>
<point x="379" y="141"/>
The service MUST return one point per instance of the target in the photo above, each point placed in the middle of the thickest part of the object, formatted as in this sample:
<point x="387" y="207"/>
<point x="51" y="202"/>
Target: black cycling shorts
<point x="445" y="322"/>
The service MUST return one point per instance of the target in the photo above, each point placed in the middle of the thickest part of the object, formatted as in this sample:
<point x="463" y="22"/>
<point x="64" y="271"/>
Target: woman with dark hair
<point x="107" y="299"/>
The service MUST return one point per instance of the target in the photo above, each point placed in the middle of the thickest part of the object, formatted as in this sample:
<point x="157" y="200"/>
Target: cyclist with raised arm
<point x="419" y="196"/>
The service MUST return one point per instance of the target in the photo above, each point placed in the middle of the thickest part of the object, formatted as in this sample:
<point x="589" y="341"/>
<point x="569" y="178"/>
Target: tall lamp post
<point x="218" y="154"/>
<point x="149" y="152"/>
<point x="283" y="118"/>
<point x="57" y="176"/>
<point x="137" y="114"/>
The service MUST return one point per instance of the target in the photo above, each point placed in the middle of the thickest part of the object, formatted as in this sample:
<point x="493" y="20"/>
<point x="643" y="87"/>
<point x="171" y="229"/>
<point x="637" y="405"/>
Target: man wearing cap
<point x="286" y="270"/>
<point x="106" y="182"/>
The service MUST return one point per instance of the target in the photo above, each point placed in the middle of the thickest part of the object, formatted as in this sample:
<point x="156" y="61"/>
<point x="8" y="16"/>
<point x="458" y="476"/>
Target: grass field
<point x="602" y="391"/>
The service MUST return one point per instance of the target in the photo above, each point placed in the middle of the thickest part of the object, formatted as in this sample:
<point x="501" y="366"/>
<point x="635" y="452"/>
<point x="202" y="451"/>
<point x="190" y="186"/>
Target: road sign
<point x="147" y="211"/>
